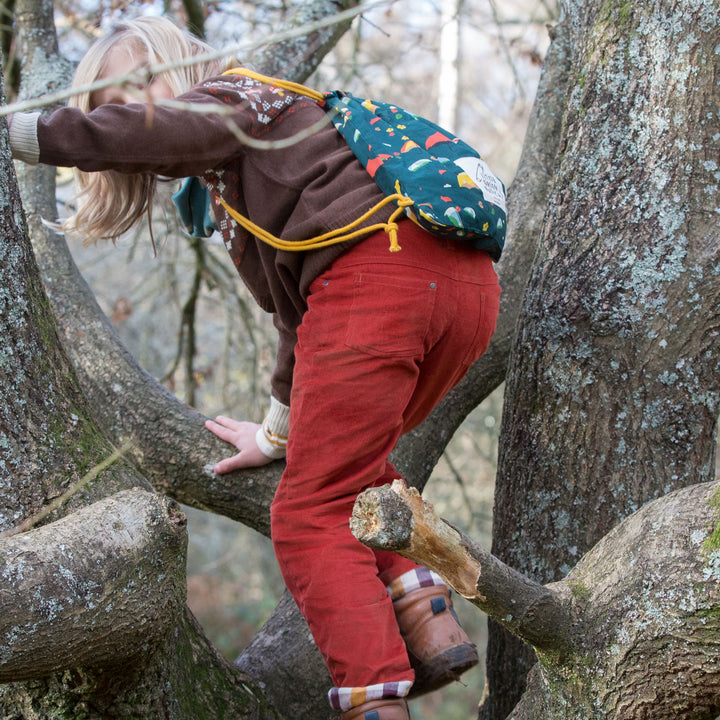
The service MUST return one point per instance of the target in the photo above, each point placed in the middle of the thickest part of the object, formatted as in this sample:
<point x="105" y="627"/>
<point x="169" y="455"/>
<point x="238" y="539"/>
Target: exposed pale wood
<point x="395" y="517"/>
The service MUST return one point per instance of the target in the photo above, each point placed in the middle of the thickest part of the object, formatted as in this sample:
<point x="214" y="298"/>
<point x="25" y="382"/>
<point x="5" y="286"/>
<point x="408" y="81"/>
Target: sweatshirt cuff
<point x="23" y="137"/>
<point x="272" y="437"/>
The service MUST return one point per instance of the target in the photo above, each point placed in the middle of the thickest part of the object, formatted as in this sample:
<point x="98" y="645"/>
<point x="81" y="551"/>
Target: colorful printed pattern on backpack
<point x="454" y="192"/>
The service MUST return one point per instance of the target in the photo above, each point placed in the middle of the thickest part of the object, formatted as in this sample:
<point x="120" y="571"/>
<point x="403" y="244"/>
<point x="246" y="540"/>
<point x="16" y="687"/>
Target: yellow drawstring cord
<point x="284" y="84"/>
<point x="348" y="232"/>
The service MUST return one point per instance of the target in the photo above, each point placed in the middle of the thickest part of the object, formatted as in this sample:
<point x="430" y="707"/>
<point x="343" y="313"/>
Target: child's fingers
<point x="244" y="459"/>
<point x="229" y="422"/>
<point x="242" y="436"/>
<point x="228" y="464"/>
<point x="223" y="432"/>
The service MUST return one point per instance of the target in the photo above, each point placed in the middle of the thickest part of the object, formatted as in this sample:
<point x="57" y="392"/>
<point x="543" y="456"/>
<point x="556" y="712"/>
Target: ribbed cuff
<point x="272" y="437"/>
<point x="23" y="137"/>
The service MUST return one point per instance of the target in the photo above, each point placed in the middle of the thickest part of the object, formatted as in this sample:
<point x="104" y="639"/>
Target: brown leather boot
<point x="387" y="709"/>
<point x="439" y="649"/>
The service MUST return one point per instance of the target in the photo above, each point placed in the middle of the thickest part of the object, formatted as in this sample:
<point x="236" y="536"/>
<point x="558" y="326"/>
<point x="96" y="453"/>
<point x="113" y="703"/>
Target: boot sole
<point x="443" y="669"/>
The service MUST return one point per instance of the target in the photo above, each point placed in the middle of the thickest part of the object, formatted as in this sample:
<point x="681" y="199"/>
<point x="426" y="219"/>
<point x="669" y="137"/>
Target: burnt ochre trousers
<point x="385" y="337"/>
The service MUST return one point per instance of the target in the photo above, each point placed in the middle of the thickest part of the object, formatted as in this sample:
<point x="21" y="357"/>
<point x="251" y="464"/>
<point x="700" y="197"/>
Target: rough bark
<point x="508" y="659"/>
<point x="75" y="592"/>
<point x="630" y="634"/>
<point x="185" y="678"/>
<point x="648" y="597"/>
<point x="48" y="440"/>
<point x="612" y="397"/>
<point x="279" y="658"/>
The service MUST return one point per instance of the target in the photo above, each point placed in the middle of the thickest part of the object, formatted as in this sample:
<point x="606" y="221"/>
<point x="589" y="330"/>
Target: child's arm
<point x="136" y="138"/>
<point x="258" y="444"/>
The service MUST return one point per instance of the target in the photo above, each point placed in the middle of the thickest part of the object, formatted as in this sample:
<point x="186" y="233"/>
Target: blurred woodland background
<point x="472" y="66"/>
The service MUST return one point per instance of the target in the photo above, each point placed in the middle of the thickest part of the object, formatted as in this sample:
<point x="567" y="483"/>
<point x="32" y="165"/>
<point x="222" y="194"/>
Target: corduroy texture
<point x="385" y="336"/>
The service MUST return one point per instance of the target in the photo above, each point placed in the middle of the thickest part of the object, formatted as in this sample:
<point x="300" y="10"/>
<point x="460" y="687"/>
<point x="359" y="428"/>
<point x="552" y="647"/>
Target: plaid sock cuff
<point x="344" y="698"/>
<point x="413" y="580"/>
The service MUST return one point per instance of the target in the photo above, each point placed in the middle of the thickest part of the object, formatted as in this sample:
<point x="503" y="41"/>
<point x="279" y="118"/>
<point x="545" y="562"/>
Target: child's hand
<point x="242" y="436"/>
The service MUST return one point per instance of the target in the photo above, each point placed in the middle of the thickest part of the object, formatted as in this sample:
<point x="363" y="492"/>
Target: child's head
<point x="152" y="41"/>
<point x="111" y="203"/>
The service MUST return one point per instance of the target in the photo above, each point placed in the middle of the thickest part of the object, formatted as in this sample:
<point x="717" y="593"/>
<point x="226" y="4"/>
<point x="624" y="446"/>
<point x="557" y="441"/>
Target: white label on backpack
<point x="481" y="174"/>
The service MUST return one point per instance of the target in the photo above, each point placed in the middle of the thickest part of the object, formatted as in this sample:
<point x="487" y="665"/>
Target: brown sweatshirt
<point x="298" y="192"/>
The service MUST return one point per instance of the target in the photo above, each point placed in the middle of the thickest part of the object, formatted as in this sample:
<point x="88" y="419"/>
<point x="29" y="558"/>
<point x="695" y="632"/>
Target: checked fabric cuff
<point x="344" y="698"/>
<point x="413" y="580"/>
<point x="272" y="437"/>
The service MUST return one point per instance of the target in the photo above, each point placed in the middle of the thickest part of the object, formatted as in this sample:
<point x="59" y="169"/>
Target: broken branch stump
<point x="395" y="517"/>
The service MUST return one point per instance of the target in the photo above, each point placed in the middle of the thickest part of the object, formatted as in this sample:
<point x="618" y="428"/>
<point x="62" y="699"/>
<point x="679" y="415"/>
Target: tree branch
<point x="281" y="659"/>
<point x="76" y="592"/>
<point x="646" y="603"/>
<point x="395" y="517"/>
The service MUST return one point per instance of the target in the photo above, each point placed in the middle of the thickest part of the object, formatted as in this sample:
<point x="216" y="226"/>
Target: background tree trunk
<point x="612" y="390"/>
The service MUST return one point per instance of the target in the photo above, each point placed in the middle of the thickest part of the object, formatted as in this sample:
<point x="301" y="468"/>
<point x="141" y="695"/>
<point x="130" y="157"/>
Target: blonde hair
<point x="109" y="202"/>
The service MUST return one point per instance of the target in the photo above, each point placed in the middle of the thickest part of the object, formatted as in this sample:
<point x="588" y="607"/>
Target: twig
<point x="143" y="74"/>
<point x="41" y="514"/>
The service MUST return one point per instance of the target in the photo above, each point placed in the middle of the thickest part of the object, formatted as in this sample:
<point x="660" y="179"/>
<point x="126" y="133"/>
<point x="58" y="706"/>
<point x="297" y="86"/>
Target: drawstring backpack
<point x="436" y="179"/>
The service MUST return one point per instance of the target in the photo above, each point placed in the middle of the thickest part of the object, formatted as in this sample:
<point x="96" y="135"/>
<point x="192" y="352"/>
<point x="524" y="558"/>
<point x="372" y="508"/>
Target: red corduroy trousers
<point x="385" y="337"/>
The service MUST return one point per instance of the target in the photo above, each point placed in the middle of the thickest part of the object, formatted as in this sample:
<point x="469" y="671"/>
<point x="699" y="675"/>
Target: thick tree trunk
<point x="632" y="633"/>
<point x="612" y="396"/>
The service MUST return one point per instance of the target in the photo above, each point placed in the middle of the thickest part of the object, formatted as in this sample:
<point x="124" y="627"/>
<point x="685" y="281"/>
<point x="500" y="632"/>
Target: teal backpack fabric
<point x="438" y="180"/>
<point x="454" y="192"/>
<point x="192" y="203"/>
